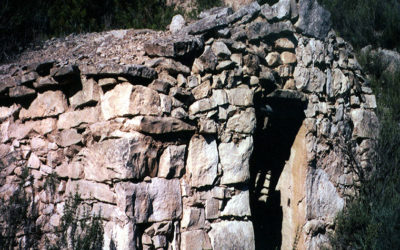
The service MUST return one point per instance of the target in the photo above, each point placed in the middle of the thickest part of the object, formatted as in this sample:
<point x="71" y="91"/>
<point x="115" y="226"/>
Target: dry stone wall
<point x="160" y="131"/>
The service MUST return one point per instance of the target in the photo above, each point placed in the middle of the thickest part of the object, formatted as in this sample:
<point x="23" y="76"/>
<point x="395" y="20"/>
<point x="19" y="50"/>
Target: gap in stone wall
<point x="278" y="122"/>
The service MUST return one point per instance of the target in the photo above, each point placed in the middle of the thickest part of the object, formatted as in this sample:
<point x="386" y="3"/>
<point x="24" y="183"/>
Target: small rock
<point x="177" y="23"/>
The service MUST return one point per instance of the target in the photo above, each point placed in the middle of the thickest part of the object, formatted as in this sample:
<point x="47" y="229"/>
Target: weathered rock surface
<point x="172" y="162"/>
<point x="126" y="99"/>
<point x="202" y="160"/>
<point x="156" y="201"/>
<point x="159" y="125"/>
<point x="50" y="103"/>
<point x="235" y="160"/>
<point x="313" y="19"/>
<point x="232" y="235"/>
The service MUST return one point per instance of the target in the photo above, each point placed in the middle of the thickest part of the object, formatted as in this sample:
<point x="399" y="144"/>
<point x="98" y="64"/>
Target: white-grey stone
<point x="240" y="96"/>
<point x="238" y="205"/>
<point x="232" y="235"/>
<point x="366" y="123"/>
<point x="172" y="162"/>
<point x="243" y="122"/>
<point x="235" y="160"/>
<point x="202" y="160"/>
<point x="177" y="23"/>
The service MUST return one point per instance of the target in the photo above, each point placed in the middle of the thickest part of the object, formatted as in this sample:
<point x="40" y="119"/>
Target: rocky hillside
<point x="241" y="130"/>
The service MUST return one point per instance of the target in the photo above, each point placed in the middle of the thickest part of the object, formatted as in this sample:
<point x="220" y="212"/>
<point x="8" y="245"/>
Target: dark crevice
<point x="278" y="122"/>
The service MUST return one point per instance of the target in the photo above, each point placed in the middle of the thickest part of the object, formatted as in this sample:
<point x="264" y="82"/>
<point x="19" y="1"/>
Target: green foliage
<point x="79" y="229"/>
<point x="364" y="22"/>
<point x="372" y="219"/>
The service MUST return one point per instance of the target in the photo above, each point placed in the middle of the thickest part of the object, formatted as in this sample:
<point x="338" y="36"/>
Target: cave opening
<point x="278" y="122"/>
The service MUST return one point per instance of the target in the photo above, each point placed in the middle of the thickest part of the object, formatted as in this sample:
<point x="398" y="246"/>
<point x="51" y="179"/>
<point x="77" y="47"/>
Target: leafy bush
<point x="372" y="219"/>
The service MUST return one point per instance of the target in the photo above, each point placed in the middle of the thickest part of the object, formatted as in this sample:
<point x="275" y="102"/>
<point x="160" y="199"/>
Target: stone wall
<point x="157" y="129"/>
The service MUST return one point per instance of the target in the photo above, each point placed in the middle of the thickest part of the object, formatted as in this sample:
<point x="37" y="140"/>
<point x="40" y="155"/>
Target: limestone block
<point x="49" y="103"/>
<point x="68" y="137"/>
<point x="33" y="161"/>
<point x="119" y="159"/>
<point x="238" y="205"/>
<point x="284" y="44"/>
<point x="202" y="160"/>
<point x="44" y="82"/>
<point x="89" y="94"/>
<point x="259" y="30"/>
<point x="73" y="170"/>
<point x="240" y="96"/>
<point x="278" y="11"/>
<point x="43" y="127"/>
<point x="20" y="91"/>
<point x="202" y="91"/>
<point x="202" y="105"/>
<point x="219" y="97"/>
<point x="106" y="211"/>
<point x="195" y="240"/>
<point x="91" y="190"/>
<point x="172" y="162"/>
<point x="314" y="20"/>
<point x="273" y="59"/>
<point x="107" y="81"/>
<point x="174" y="46"/>
<point x="366" y="123"/>
<point x="234" y="159"/>
<point x="193" y="218"/>
<point x="221" y="50"/>
<point x="158" y="125"/>
<point x="323" y="200"/>
<point x="156" y="201"/>
<point x="225" y="65"/>
<point x="177" y="23"/>
<point x="232" y="235"/>
<point x="243" y="122"/>
<point x="76" y="118"/>
<point x="126" y="99"/>
<point x="169" y="65"/>
<point x="249" y="10"/>
<point x="288" y="57"/>
<point x="6" y="112"/>
<point x="212" y="208"/>
<point x="207" y="126"/>
<point x="340" y="83"/>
